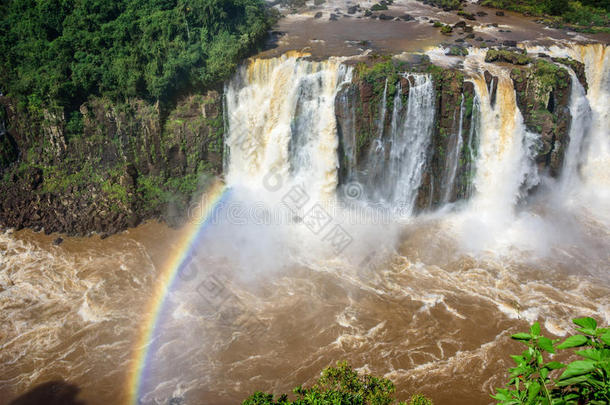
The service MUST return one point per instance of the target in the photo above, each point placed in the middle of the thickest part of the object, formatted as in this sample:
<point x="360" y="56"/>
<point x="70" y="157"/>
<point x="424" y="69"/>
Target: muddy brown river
<point x="432" y="319"/>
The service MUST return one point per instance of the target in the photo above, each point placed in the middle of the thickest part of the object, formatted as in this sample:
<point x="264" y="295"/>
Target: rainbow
<point x="188" y="240"/>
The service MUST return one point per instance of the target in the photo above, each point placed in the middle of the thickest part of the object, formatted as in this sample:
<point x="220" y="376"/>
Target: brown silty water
<point x="429" y="302"/>
<point x="427" y="317"/>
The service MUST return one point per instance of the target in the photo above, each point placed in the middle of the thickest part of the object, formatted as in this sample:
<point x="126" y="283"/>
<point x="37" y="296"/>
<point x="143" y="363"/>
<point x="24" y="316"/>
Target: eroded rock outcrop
<point x="127" y="162"/>
<point x="543" y="96"/>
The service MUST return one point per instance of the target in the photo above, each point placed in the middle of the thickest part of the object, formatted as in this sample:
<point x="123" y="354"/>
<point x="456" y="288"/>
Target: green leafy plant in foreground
<point x="583" y="381"/>
<point x="340" y="385"/>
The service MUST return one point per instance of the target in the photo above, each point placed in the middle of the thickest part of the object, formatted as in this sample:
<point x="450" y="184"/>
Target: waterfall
<point x="280" y="118"/>
<point x="383" y="111"/>
<point x="453" y="159"/>
<point x="377" y="150"/>
<point x="473" y="147"/>
<point x="596" y="165"/>
<point x="580" y="111"/>
<point x="394" y="178"/>
<point x="505" y="161"/>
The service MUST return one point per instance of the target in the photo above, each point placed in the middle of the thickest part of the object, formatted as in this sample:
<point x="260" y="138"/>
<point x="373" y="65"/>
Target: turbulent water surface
<point x="311" y="275"/>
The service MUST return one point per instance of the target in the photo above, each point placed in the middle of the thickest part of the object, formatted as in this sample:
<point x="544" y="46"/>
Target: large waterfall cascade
<point x="281" y="117"/>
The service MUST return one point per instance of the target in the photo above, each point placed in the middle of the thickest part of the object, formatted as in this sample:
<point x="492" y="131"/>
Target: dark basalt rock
<point x="407" y="17"/>
<point x="500" y="13"/>
<point x="492" y="85"/>
<point x="466" y="15"/>
<point x="96" y="183"/>
<point x="333" y="17"/>
<point x="459" y="24"/>
<point x="385" y="17"/>
<point x="58" y="241"/>
<point x="318" y="15"/>
<point x="352" y="9"/>
<point x="543" y="96"/>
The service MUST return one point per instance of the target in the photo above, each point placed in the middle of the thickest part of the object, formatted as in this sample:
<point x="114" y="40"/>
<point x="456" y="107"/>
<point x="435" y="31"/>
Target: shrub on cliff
<point x="535" y="380"/>
<point x="340" y="386"/>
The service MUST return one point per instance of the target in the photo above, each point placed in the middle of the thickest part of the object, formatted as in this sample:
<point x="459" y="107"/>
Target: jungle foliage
<point x="536" y="380"/>
<point x="59" y="52"/>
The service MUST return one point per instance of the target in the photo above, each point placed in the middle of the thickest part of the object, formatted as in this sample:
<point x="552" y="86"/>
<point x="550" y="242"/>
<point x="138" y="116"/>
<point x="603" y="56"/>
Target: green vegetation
<point x="106" y="96"/>
<point x="379" y="7"/>
<point x="588" y="15"/>
<point x="340" y="386"/>
<point x="468" y="16"/>
<point x="447" y="29"/>
<point x="550" y="75"/>
<point x="447" y="4"/>
<point x="376" y="76"/>
<point x="535" y="380"/>
<point x="494" y="55"/>
<point x="60" y="52"/>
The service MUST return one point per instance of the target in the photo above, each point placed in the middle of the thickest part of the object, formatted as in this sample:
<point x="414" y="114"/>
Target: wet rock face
<point x="129" y="163"/>
<point x="543" y="96"/>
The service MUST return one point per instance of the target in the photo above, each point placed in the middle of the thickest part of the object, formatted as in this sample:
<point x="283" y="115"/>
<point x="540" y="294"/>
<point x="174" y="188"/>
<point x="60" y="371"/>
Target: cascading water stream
<point x="591" y="158"/>
<point x="377" y="150"/>
<point x="454" y="158"/>
<point x="595" y="168"/>
<point x="393" y="178"/>
<point x="280" y="115"/>
<point x="473" y="145"/>
<point x="410" y="143"/>
<point x="505" y="160"/>
<point x="580" y="111"/>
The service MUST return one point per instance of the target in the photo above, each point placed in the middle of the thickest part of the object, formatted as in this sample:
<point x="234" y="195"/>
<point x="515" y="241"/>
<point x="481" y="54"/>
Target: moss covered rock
<point x="543" y="96"/>
<point x="127" y="162"/>
<point x="502" y="55"/>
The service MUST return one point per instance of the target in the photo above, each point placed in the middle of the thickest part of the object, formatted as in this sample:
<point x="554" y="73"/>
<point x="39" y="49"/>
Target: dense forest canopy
<point x="62" y="51"/>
